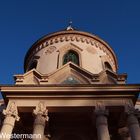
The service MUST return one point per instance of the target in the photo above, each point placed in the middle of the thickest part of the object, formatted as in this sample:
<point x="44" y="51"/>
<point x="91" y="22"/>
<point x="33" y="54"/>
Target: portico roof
<point x="70" y="91"/>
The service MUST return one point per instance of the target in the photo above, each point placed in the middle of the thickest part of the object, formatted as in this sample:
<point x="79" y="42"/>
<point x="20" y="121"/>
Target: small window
<point x="33" y="65"/>
<point x="70" y="80"/>
<point x="71" y="56"/>
<point x="108" y="66"/>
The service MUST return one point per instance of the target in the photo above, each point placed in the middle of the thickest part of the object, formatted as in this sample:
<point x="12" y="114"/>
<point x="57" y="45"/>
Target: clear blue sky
<point x="22" y="22"/>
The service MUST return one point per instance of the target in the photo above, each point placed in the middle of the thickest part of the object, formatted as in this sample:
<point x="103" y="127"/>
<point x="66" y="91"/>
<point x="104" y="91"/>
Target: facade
<point x="70" y="91"/>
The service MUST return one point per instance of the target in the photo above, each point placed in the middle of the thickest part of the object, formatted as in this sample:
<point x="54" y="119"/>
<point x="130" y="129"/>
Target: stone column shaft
<point x="134" y="128"/>
<point x="39" y="126"/>
<point x="41" y="116"/>
<point x="7" y="127"/>
<point x="102" y="128"/>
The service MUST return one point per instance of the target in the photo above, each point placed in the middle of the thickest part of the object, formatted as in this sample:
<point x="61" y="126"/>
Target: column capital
<point x="102" y="112"/>
<point x="11" y="110"/>
<point x="131" y="110"/>
<point x="41" y="110"/>
<point x="100" y="109"/>
<point x="132" y="115"/>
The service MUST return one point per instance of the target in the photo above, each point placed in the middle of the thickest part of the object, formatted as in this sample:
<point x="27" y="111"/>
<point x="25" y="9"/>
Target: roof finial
<point x="70" y="23"/>
<point x="70" y="26"/>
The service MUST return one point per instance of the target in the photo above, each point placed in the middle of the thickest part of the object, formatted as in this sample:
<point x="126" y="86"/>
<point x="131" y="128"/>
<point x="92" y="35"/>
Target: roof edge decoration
<point x="68" y="32"/>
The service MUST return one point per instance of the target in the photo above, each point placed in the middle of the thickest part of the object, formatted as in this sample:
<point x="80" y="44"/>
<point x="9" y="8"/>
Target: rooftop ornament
<point x="70" y="28"/>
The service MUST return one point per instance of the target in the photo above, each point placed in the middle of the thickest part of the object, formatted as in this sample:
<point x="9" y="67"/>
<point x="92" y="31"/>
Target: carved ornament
<point x="78" y="38"/>
<point x="100" y="109"/>
<point x="11" y="110"/>
<point x="50" y="50"/>
<point x="41" y="110"/>
<point x="130" y="109"/>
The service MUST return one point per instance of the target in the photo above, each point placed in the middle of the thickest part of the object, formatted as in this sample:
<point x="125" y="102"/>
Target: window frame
<point x="68" y="54"/>
<point x="108" y="66"/>
<point x="31" y="65"/>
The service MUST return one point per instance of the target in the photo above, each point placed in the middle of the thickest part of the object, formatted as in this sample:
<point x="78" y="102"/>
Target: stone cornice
<point x="70" y="92"/>
<point x="68" y="88"/>
<point x="66" y="94"/>
<point x="71" y="36"/>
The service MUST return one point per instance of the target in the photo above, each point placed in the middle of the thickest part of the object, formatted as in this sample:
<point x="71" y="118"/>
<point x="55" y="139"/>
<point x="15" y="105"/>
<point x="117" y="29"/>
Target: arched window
<point x="33" y="65"/>
<point x="107" y="66"/>
<point x="71" y="56"/>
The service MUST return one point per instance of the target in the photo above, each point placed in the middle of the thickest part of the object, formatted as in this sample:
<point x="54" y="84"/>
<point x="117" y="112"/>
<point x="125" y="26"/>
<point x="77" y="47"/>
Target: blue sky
<point x="22" y="22"/>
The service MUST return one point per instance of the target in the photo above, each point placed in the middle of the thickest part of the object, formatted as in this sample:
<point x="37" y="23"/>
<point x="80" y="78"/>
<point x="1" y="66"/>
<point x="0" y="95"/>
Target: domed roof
<point x="72" y="36"/>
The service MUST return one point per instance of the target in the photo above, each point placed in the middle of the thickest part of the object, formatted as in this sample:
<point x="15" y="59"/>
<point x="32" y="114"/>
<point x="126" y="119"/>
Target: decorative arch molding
<point x="64" y="49"/>
<point x="70" y="37"/>
<point x="70" y="46"/>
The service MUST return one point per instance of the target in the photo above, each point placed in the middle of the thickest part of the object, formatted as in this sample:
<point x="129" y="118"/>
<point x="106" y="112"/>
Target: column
<point x="101" y="124"/>
<point x="41" y="116"/>
<point x="11" y="115"/>
<point x="133" y="123"/>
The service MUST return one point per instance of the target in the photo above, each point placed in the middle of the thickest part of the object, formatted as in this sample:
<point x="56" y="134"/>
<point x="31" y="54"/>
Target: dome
<point x="86" y="50"/>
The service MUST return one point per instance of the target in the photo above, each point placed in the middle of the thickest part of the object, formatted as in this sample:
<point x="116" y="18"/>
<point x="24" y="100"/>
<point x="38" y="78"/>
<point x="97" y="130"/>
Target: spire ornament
<point x="70" y="28"/>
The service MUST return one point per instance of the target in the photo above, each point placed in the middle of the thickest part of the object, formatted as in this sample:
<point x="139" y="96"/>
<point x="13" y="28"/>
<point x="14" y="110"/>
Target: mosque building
<point x="70" y="90"/>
